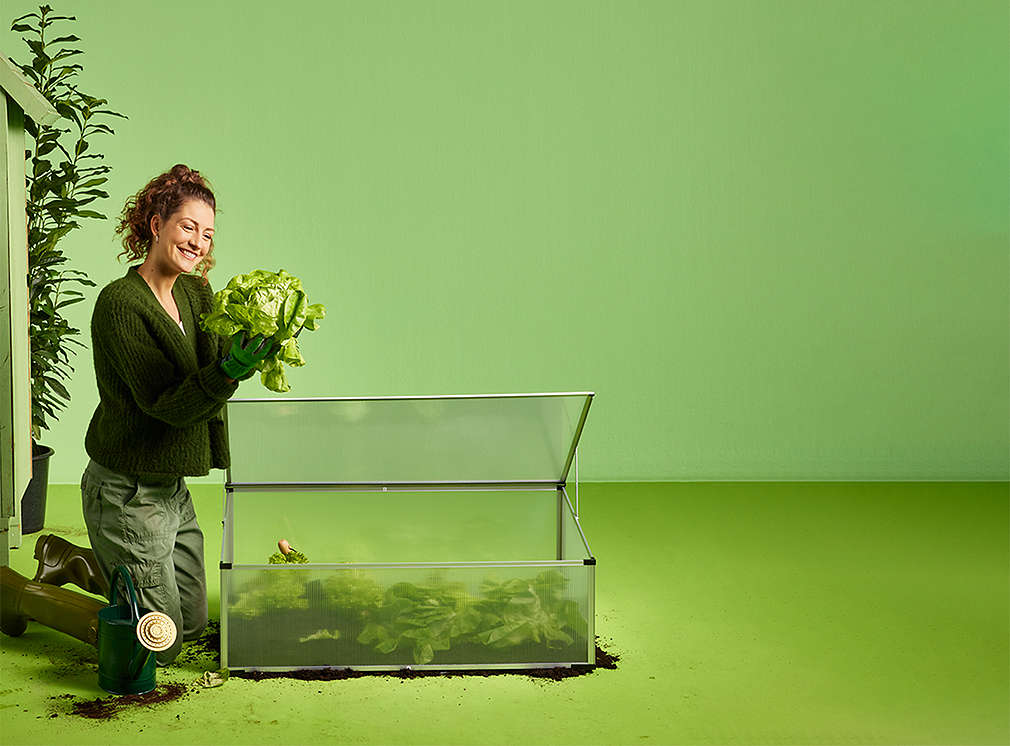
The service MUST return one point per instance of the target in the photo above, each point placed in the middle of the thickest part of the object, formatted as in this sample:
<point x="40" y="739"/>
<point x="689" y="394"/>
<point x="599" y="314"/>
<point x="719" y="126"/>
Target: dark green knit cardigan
<point x="161" y="391"/>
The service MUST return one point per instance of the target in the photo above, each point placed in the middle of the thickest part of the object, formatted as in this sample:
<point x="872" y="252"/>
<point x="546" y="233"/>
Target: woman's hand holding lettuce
<point x="272" y="305"/>
<point x="245" y="354"/>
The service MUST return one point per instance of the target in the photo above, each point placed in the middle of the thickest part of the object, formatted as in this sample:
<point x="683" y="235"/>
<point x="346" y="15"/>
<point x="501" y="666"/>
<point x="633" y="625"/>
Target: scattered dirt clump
<point x="104" y="708"/>
<point x="605" y="659"/>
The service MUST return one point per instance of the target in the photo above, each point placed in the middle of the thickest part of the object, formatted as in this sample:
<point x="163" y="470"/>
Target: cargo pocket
<point x="146" y="577"/>
<point x="153" y="591"/>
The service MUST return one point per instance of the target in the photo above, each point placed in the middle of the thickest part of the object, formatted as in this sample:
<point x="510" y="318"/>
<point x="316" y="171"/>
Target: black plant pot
<point x="33" y="504"/>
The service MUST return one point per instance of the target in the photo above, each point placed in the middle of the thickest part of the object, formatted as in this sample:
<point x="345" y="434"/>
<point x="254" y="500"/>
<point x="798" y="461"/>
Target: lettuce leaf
<point x="273" y="304"/>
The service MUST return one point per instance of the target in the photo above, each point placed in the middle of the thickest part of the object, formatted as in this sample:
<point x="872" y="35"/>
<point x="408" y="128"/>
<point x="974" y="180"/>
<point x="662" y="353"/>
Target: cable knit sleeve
<point x="158" y="387"/>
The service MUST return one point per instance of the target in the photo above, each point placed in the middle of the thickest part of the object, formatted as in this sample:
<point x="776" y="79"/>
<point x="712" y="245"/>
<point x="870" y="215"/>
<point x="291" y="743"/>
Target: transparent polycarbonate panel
<point x="406" y="439"/>
<point x="445" y="526"/>
<point x="287" y="616"/>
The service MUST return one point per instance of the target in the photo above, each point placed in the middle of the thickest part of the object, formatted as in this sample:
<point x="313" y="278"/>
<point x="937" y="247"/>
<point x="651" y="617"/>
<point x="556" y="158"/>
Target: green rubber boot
<point x="22" y="599"/>
<point x="61" y="562"/>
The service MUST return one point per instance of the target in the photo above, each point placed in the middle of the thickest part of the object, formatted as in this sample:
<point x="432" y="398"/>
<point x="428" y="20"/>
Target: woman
<point x="162" y="383"/>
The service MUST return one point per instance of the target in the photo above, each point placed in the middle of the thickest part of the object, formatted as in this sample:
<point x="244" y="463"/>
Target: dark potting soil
<point x="104" y="708"/>
<point x="604" y="659"/>
<point x="204" y="650"/>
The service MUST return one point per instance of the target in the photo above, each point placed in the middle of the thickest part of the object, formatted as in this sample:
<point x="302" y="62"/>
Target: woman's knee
<point x="194" y="628"/>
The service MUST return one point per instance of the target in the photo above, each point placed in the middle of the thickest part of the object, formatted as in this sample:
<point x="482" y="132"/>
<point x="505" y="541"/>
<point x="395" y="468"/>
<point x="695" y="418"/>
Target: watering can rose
<point x="272" y="304"/>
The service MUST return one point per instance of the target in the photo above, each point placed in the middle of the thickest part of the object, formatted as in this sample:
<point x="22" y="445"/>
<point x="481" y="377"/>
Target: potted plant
<point x="56" y="196"/>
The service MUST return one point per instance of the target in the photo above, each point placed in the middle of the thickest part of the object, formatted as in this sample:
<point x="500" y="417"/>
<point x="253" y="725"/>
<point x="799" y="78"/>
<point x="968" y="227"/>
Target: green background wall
<point x="771" y="236"/>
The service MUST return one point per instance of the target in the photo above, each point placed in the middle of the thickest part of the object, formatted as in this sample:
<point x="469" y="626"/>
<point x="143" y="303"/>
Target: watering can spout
<point x="155" y="631"/>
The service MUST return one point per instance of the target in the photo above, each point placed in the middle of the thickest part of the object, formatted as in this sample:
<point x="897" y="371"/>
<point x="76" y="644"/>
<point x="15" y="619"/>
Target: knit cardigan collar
<point x="198" y="354"/>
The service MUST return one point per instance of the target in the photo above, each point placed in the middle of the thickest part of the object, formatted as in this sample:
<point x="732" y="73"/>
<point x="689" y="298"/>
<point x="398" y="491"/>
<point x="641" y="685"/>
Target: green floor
<point x="793" y="613"/>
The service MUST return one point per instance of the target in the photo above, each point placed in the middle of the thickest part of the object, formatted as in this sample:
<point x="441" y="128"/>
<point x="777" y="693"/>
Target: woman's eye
<point x="187" y="227"/>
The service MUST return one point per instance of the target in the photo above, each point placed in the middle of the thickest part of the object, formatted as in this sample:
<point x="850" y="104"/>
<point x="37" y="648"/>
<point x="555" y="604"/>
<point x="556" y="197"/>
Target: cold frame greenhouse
<point x="440" y="533"/>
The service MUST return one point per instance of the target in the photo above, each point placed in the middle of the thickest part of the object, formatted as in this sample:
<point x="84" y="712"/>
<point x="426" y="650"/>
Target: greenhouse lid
<point x="461" y="439"/>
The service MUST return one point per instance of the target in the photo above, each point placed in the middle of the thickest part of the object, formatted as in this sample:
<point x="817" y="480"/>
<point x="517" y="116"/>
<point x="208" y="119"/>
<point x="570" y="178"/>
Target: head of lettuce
<point x="271" y="304"/>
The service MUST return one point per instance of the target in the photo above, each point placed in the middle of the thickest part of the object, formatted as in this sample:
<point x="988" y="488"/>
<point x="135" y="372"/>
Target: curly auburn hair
<point x="163" y="195"/>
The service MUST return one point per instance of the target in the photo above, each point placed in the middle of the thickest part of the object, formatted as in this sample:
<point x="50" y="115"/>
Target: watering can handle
<point x="121" y="571"/>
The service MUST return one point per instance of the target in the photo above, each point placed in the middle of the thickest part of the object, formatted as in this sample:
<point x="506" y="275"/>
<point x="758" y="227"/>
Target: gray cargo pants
<point x="149" y="526"/>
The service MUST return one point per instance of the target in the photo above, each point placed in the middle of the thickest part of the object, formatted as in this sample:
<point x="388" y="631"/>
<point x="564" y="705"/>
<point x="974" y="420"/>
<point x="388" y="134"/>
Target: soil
<point x="604" y="659"/>
<point x="209" y="645"/>
<point x="205" y="651"/>
<point x="104" y="708"/>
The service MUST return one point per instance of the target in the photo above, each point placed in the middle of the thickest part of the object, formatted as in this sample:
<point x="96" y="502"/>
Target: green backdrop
<point x="772" y="237"/>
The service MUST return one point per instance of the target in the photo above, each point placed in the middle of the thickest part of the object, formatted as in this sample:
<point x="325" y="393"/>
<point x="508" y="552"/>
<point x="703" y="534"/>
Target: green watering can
<point x="128" y="638"/>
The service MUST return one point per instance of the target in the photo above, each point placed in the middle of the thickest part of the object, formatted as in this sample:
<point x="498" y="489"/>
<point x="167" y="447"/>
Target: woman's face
<point x="184" y="239"/>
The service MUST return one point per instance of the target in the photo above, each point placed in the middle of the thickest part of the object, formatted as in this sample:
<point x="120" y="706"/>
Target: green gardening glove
<point x="241" y="361"/>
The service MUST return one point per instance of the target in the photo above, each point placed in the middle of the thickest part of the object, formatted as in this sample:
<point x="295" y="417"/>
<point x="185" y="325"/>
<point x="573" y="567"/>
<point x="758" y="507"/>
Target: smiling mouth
<point x="189" y="254"/>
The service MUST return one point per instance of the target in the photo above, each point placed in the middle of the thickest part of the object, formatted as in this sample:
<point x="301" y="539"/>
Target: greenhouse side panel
<point x="481" y="615"/>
